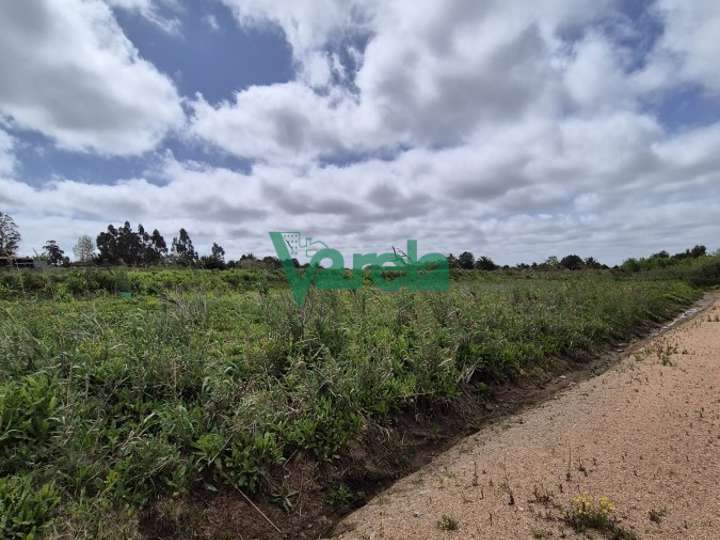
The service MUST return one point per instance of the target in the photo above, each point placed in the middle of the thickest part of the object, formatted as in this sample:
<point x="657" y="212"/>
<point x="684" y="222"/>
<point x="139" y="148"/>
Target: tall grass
<point x="108" y="404"/>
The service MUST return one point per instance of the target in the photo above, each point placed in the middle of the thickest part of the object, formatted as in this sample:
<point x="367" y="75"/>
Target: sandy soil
<point x="645" y="434"/>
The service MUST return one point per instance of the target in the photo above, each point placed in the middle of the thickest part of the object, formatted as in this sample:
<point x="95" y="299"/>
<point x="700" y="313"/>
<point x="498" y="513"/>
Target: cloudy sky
<point x="510" y="128"/>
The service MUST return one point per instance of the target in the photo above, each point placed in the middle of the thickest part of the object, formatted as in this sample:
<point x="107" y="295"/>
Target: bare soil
<point x="645" y="434"/>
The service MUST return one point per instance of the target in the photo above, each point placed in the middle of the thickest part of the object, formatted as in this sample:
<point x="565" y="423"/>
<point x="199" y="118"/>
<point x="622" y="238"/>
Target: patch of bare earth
<point x="645" y="435"/>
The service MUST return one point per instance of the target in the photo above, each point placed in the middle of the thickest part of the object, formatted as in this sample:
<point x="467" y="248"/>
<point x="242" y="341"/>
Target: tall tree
<point x="107" y="244"/>
<point x="158" y="247"/>
<point x="551" y="262"/>
<point x="591" y="262"/>
<point x="572" y="262"/>
<point x="9" y="236"/>
<point x="698" y="251"/>
<point x="485" y="263"/>
<point x="466" y="260"/>
<point x="218" y="252"/>
<point x="84" y="249"/>
<point x="129" y="243"/>
<point x="55" y="255"/>
<point x="216" y="260"/>
<point x="183" y="249"/>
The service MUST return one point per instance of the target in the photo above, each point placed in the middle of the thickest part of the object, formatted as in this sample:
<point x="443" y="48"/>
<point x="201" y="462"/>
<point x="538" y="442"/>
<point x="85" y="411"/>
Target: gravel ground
<point x="645" y="434"/>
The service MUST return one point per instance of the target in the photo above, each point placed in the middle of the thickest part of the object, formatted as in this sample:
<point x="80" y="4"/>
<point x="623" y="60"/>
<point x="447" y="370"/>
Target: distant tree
<point x="9" y="236"/>
<point x="485" y="263"/>
<point x="661" y="255"/>
<point x="466" y="260"/>
<point x="53" y="253"/>
<point x="272" y="262"/>
<point x="144" y="247"/>
<point x="130" y="244"/>
<point x="84" y="249"/>
<point x="572" y="262"/>
<point x="551" y="263"/>
<point x="217" y="252"/>
<point x="631" y="265"/>
<point x="158" y="247"/>
<point x="216" y="260"/>
<point x="698" y="251"/>
<point x="590" y="262"/>
<point x="107" y="245"/>
<point x="453" y="261"/>
<point x="183" y="250"/>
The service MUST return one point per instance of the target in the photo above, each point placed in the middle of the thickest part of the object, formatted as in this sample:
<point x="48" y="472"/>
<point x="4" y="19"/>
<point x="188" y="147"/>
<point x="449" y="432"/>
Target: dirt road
<point x="634" y="452"/>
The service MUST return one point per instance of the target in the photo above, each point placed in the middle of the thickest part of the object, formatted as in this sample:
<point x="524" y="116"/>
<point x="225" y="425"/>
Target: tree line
<point x="467" y="261"/>
<point x="125" y="246"/>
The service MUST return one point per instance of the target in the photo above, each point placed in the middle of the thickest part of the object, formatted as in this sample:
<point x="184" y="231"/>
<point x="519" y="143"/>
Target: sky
<point x="512" y="129"/>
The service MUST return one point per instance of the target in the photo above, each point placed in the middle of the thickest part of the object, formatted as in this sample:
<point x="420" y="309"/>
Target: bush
<point x="28" y="410"/>
<point x="125" y="402"/>
<point x="707" y="275"/>
<point x="25" y="509"/>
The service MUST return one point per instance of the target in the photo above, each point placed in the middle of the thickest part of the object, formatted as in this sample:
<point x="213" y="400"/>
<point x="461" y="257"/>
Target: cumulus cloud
<point x="548" y="195"/>
<point x="72" y="75"/>
<point x="155" y="11"/>
<point x="687" y="47"/>
<point x="7" y="156"/>
<point x="514" y="129"/>
<point x="426" y="77"/>
<point x="281" y="122"/>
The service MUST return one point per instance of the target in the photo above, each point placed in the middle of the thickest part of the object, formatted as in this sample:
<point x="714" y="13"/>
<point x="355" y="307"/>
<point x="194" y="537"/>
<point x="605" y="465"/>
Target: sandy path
<point x="646" y="434"/>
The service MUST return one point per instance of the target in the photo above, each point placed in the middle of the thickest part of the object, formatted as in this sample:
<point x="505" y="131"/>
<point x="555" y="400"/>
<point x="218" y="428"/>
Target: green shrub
<point x="28" y="410"/>
<point x="706" y="275"/>
<point x="122" y="402"/>
<point x="25" y="509"/>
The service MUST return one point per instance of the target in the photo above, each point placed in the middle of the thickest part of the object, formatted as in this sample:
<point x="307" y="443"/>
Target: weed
<point x="448" y="523"/>
<point x="542" y="496"/>
<point x="203" y="380"/>
<point x="25" y="509"/>
<point x="656" y="516"/>
<point x="588" y="514"/>
<point x="340" y="496"/>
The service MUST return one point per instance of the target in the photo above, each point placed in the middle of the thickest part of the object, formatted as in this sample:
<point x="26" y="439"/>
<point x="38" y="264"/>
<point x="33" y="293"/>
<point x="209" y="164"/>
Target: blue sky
<point x="510" y="129"/>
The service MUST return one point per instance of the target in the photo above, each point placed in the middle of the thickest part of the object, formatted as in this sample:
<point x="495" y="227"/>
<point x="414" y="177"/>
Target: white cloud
<point x="523" y="195"/>
<point x="77" y="79"/>
<point x="512" y="129"/>
<point x="212" y="22"/>
<point x="7" y="157"/>
<point x="283" y="123"/>
<point x="308" y="24"/>
<point x="688" y="45"/>
<point x="153" y="11"/>
<point x="428" y="77"/>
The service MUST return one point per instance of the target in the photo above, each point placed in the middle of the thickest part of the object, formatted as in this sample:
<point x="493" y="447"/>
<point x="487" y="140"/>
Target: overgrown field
<point x="108" y="404"/>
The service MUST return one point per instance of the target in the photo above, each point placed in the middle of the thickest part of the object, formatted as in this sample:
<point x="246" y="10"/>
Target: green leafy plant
<point x="25" y="509"/>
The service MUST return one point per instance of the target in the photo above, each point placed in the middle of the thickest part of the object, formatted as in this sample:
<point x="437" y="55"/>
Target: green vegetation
<point x="448" y="523"/>
<point x="63" y="284"/>
<point x="588" y="514"/>
<point x="108" y="404"/>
